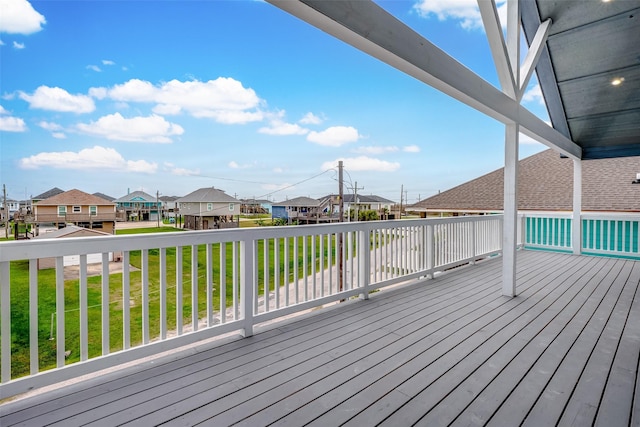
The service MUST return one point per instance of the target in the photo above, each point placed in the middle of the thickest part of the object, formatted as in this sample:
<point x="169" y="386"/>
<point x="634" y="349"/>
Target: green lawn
<point x="46" y="298"/>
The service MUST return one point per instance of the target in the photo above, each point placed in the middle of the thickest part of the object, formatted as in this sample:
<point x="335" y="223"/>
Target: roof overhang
<point x="590" y="43"/>
<point x="589" y="72"/>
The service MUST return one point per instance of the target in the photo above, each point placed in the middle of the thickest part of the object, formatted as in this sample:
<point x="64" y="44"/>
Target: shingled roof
<point x="74" y="197"/>
<point x="545" y="183"/>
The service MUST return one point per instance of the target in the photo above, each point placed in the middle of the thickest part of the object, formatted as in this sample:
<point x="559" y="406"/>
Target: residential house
<point x="104" y="196"/>
<point x="545" y="184"/>
<point x="303" y="210"/>
<point x="74" y="231"/>
<point x="169" y="206"/>
<point x="11" y="207"/>
<point x="138" y="206"/>
<point x="255" y="206"/>
<point x="50" y="193"/>
<point x="78" y="208"/>
<point x="357" y="203"/>
<point x="209" y="208"/>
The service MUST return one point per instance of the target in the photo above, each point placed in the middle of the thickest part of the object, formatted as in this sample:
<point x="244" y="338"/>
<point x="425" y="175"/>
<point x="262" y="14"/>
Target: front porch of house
<point x="451" y="350"/>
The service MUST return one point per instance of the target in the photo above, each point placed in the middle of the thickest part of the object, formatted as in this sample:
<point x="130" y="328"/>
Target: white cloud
<point x="278" y="170"/>
<point x="363" y="163"/>
<point x="57" y="99"/>
<point x="534" y="94"/>
<point x="278" y="127"/>
<point x="19" y="17"/>
<point x="1" y="43"/>
<point x="235" y="165"/>
<point x="98" y="92"/>
<point x="137" y="129"/>
<point x="94" y="68"/>
<point x="50" y="126"/>
<point x="465" y="11"/>
<point x="17" y="45"/>
<point x="335" y="136"/>
<point x="173" y="170"/>
<point x="108" y="62"/>
<point x="375" y="150"/>
<point x="87" y="159"/>
<point x="54" y="128"/>
<point x="311" y="119"/>
<point x="12" y="124"/>
<point x="225" y="100"/>
<point x="411" y="149"/>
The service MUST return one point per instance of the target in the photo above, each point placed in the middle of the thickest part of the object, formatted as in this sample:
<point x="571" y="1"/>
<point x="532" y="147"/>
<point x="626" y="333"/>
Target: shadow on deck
<point x="445" y="351"/>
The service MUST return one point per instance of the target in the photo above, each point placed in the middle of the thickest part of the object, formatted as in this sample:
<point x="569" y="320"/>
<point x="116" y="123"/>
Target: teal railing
<point x="602" y="234"/>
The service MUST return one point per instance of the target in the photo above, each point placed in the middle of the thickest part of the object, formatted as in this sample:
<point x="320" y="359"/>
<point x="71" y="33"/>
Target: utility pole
<point x="158" y="207"/>
<point x="5" y="213"/>
<point x="401" y="194"/>
<point x="355" y="200"/>
<point x="341" y="210"/>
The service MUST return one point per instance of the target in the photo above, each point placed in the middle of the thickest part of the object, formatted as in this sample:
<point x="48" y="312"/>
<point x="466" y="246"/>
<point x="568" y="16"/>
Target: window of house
<point x="77" y="209"/>
<point x="93" y="210"/>
<point x="62" y="210"/>
<point x="209" y="206"/>
<point x="231" y="206"/>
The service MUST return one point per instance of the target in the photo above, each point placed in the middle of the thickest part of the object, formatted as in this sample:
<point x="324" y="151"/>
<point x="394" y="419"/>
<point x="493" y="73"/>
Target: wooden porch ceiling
<point x="447" y="351"/>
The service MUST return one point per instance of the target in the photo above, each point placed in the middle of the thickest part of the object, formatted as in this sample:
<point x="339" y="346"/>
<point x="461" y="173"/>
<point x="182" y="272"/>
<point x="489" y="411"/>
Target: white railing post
<point x="5" y="307"/>
<point x="247" y="284"/>
<point x="576" y="222"/>
<point x="60" y="333"/>
<point x="430" y="250"/>
<point x="33" y="316"/>
<point x="364" y="265"/>
<point x="473" y="242"/>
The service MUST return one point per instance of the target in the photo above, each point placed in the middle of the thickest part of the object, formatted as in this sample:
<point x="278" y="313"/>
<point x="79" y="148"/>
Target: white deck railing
<point x="602" y="233"/>
<point x="178" y="288"/>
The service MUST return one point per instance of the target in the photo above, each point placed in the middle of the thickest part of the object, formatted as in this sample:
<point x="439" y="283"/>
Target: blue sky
<point x="172" y="96"/>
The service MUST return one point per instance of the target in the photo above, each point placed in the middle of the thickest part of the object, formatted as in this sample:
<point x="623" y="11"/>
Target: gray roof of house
<point x="141" y="194"/>
<point x="50" y="193"/>
<point x="299" y="202"/>
<point x="207" y="195"/>
<point x="74" y="197"/>
<point x="545" y="182"/>
<point x="68" y="231"/>
<point x="104" y="196"/>
<point x="362" y="198"/>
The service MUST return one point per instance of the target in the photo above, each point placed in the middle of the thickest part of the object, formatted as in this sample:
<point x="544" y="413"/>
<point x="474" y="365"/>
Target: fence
<point x="173" y="289"/>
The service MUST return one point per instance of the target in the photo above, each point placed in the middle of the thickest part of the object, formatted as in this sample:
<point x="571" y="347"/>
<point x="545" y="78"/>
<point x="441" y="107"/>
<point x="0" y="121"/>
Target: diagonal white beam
<point x="531" y="60"/>
<point x="368" y="27"/>
<point x="498" y="46"/>
<point x="513" y="37"/>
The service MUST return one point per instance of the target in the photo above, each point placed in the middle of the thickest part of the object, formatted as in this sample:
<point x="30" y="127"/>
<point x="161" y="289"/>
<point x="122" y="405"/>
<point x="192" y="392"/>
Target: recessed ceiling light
<point x="617" y="81"/>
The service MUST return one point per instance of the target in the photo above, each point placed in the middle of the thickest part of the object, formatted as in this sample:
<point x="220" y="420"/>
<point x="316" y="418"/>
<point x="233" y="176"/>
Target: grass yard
<point x="47" y="305"/>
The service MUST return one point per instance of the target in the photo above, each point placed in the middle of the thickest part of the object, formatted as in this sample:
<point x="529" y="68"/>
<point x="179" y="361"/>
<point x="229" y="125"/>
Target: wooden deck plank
<point x="552" y="402"/>
<point x="194" y="396"/>
<point x="413" y="378"/>
<point x="430" y="390"/>
<point x="314" y="396"/>
<point x="446" y="350"/>
<point x="524" y="377"/>
<point x="316" y="374"/>
<point x="617" y="401"/>
<point x="585" y="400"/>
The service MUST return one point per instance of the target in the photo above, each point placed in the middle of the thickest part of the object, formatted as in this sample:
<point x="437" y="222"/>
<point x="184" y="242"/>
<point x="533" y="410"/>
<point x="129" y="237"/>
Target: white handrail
<point x="187" y="286"/>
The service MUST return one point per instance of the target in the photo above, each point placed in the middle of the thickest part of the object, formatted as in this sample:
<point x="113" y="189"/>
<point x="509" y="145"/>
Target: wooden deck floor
<point x="450" y="351"/>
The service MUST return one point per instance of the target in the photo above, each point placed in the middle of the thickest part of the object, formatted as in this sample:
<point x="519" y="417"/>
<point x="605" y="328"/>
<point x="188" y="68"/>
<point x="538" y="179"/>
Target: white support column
<point x="510" y="225"/>
<point x="576" y="222"/>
